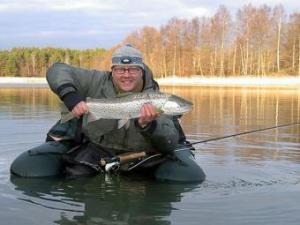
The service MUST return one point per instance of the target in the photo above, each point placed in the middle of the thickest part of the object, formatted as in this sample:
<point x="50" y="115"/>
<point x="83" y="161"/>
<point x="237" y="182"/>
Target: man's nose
<point x="126" y="71"/>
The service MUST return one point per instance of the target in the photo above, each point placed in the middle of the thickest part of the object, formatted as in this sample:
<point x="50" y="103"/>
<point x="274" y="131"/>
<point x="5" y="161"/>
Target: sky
<point x="83" y="24"/>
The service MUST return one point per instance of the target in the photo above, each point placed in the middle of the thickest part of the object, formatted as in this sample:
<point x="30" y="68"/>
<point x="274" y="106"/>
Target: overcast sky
<point x="85" y="24"/>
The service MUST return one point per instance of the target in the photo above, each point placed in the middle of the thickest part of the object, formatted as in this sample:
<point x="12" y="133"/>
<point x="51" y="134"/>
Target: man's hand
<point x="80" y="109"/>
<point x="148" y="114"/>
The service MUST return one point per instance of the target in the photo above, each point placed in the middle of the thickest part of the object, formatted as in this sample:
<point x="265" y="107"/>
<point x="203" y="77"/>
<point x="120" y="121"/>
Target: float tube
<point x="46" y="161"/>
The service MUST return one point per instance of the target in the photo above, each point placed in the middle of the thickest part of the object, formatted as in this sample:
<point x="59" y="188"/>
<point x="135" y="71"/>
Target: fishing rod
<point x="114" y="163"/>
<point x="239" y="134"/>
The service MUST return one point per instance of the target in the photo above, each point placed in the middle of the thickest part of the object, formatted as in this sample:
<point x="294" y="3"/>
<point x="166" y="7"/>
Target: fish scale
<point x="128" y="107"/>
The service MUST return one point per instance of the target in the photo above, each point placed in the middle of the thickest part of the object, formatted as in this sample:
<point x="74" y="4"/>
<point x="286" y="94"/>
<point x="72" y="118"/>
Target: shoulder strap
<point x="78" y="133"/>
<point x="182" y="138"/>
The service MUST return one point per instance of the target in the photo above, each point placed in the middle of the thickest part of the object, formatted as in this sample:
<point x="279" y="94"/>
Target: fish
<point x="126" y="107"/>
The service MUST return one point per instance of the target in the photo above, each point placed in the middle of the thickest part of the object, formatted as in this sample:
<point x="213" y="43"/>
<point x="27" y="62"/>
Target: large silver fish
<point x="129" y="106"/>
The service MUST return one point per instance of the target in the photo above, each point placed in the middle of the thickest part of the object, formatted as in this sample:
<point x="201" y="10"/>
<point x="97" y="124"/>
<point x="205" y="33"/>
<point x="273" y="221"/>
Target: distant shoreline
<point x="193" y="81"/>
<point x="238" y="81"/>
<point x="23" y="82"/>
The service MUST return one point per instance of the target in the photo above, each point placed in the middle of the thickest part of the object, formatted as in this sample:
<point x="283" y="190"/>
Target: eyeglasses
<point x="122" y="70"/>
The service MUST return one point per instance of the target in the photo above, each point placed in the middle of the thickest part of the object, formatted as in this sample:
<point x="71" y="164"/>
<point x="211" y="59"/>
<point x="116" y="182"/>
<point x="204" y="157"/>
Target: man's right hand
<point x="147" y="115"/>
<point x="80" y="109"/>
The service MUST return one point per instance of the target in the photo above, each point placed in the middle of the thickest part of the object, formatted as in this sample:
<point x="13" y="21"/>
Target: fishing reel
<point x="112" y="167"/>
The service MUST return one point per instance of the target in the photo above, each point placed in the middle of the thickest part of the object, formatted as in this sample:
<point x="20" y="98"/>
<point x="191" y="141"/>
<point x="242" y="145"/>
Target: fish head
<point x="176" y="106"/>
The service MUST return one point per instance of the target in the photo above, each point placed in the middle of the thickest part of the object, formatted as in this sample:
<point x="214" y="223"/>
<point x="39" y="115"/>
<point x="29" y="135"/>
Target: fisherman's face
<point x="127" y="78"/>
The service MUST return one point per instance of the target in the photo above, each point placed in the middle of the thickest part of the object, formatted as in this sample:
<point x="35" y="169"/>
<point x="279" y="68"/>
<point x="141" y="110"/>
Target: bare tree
<point x="278" y="17"/>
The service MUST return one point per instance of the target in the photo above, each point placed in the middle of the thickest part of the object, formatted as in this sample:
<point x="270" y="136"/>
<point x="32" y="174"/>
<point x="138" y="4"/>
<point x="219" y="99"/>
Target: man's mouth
<point x="126" y="82"/>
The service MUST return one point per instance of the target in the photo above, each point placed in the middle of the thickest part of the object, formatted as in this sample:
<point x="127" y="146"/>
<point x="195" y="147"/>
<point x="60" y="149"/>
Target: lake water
<point x="251" y="179"/>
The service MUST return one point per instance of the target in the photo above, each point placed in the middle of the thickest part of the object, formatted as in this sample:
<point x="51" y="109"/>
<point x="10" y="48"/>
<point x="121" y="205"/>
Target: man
<point x="151" y="132"/>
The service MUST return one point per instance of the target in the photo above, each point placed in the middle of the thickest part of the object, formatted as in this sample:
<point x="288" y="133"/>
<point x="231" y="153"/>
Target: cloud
<point x="54" y="5"/>
<point x="108" y="7"/>
<point x="98" y="23"/>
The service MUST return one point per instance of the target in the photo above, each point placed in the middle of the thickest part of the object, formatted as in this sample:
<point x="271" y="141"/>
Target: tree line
<point x="255" y="41"/>
<point x="260" y="41"/>
<point x="34" y="62"/>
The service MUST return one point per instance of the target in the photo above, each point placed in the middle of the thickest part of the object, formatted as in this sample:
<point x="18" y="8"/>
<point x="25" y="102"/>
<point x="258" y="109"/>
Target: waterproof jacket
<point x="161" y="135"/>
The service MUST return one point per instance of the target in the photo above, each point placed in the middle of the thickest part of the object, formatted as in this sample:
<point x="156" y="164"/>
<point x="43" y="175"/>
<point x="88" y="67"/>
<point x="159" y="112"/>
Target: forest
<point x="255" y="41"/>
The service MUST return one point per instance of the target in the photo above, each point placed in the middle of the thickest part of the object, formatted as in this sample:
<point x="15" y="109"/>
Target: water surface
<point x="251" y="179"/>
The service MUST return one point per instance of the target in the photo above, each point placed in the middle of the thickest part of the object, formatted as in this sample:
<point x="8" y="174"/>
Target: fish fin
<point x="159" y="110"/>
<point x="127" y="125"/>
<point x="123" y="122"/>
<point x="66" y="117"/>
<point x="91" y="117"/>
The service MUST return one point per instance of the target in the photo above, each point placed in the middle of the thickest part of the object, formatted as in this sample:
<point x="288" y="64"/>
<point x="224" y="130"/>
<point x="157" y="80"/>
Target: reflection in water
<point x="30" y="97"/>
<point x="29" y="103"/>
<point x="244" y="107"/>
<point x="226" y="108"/>
<point x="264" y="164"/>
<point x="217" y="112"/>
<point x="103" y="200"/>
<point x="224" y="111"/>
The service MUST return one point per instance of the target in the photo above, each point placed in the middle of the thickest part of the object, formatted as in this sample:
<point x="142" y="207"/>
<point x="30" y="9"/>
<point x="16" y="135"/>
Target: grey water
<point x="251" y="179"/>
